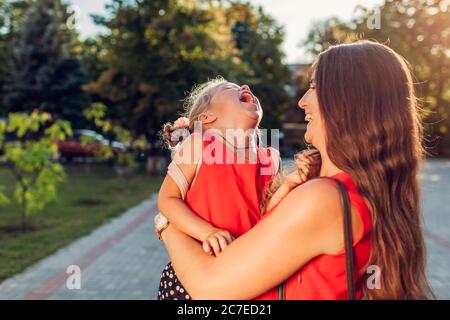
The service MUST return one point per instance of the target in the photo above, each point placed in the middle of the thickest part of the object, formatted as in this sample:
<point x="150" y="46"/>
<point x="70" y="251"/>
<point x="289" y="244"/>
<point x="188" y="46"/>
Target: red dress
<point x="324" y="277"/>
<point x="228" y="194"/>
<point x="225" y="194"/>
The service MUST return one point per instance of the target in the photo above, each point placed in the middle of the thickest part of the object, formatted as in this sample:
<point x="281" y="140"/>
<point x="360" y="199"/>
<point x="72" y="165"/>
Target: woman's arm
<point x="170" y="201"/>
<point x="307" y="223"/>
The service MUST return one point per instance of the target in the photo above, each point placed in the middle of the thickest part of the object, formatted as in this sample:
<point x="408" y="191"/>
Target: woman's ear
<point x="207" y="117"/>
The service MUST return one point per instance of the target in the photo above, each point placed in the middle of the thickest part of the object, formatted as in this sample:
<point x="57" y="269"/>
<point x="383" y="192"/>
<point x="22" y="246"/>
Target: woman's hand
<point x="217" y="241"/>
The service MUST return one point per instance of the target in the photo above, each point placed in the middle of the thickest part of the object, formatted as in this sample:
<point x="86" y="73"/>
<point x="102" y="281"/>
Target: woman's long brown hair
<point x="374" y="133"/>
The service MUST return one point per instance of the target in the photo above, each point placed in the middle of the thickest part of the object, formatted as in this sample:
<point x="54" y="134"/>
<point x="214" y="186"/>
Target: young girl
<point x="216" y="185"/>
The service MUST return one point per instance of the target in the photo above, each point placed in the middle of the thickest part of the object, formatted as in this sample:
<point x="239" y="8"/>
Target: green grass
<point x="89" y="197"/>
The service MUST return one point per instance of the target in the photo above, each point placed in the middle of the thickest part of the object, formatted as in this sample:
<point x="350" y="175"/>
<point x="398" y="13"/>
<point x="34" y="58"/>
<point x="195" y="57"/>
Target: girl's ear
<point x="207" y="117"/>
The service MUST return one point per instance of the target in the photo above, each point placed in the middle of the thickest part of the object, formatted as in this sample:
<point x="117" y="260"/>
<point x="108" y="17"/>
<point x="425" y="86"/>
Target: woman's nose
<point x="245" y="87"/>
<point x="302" y="102"/>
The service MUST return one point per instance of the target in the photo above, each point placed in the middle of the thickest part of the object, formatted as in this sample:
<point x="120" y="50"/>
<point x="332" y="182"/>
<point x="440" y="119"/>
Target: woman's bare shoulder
<point x="315" y="193"/>
<point x="315" y="201"/>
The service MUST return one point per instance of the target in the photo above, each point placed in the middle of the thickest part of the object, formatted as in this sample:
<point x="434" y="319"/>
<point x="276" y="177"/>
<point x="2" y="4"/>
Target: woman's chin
<point x="307" y="137"/>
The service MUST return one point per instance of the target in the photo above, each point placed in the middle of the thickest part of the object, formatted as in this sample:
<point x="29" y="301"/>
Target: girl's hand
<point x="308" y="164"/>
<point x="217" y="241"/>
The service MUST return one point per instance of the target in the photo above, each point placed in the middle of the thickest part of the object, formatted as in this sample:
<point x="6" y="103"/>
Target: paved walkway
<point x="123" y="259"/>
<point x="120" y="260"/>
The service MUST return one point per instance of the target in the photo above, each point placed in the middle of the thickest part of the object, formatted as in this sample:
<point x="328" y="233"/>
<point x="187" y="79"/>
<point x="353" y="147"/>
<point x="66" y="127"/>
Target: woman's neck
<point x="327" y="168"/>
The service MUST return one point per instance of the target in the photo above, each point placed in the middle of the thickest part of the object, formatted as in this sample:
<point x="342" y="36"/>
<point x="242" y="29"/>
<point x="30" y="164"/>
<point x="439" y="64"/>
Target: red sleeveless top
<point x="324" y="277"/>
<point x="228" y="194"/>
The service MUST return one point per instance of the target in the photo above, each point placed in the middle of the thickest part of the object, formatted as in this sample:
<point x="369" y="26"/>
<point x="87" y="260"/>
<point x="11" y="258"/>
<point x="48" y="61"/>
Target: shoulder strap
<point x="178" y="177"/>
<point x="348" y="239"/>
<point x="175" y="172"/>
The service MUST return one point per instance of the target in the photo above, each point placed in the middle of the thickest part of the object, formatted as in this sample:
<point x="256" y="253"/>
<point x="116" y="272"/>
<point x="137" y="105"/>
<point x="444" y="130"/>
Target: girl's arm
<point x="307" y="223"/>
<point x="170" y="201"/>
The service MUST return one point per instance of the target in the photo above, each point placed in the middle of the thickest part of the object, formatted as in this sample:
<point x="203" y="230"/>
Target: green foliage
<point x="42" y="73"/>
<point x="4" y="200"/>
<point x="29" y="157"/>
<point x="420" y="31"/>
<point x="259" y="38"/>
<point x="97" y="115"/>
<point x="155" y="51"/>
<point x="11" y="16"/>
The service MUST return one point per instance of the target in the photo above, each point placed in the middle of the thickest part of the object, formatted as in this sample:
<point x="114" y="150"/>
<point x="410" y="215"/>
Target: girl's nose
<point x="245" y="87"/>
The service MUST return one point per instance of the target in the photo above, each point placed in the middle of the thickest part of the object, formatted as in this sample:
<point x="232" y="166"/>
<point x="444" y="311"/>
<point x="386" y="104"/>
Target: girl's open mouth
<point x="247" y="97"/>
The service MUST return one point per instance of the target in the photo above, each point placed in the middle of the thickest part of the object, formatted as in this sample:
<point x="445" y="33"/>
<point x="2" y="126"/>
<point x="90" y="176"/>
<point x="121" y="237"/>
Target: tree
<point x="11" y="16"/>
<point x="157" y="50"/>
<point x="126" y="158"/>
<point x="258" y="39"/>
<point x="419" y="31"/>
<point x="43" y="74"/>
<point x="29" y="158"/>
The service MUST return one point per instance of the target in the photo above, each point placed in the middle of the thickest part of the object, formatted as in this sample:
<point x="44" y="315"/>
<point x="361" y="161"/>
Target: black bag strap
<point x="348" y="239"/>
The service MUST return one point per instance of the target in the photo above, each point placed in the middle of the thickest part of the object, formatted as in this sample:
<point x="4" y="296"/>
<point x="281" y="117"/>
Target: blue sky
<point x="296" y="16"/>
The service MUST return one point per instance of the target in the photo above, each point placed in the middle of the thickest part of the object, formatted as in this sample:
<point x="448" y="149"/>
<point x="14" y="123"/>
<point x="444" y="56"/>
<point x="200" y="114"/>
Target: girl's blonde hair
<point x="200" y="98"/>
<point x="196" y="102"/>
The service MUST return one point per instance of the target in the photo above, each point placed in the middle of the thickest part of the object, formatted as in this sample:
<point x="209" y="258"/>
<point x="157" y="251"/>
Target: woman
<point x="363" y="118"/>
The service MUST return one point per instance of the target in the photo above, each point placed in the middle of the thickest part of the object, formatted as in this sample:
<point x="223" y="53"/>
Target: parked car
<point x="85" y="143"/>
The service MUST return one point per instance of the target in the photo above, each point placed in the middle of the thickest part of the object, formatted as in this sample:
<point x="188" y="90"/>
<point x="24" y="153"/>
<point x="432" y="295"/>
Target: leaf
<point x="4" y="200"/>
<point x="37" y="176"/>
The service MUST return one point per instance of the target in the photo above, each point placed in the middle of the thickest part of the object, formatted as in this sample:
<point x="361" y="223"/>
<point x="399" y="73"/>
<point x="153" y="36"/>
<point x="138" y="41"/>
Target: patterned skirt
<point x="170" y="288"/>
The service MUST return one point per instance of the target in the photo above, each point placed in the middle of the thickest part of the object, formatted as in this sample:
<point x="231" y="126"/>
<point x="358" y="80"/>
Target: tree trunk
<point x="23" y="214"/>
<point x="23" y="218"/>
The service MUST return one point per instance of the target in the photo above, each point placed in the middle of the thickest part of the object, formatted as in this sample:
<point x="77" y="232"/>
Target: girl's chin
<point x="253" y="114"/>
<point x="251" y="107"/>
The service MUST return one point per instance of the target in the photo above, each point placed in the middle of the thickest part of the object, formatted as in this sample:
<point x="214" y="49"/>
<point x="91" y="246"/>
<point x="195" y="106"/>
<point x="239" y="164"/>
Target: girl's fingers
<point x="230" y="238"/>
<point x="214" y="243"/>
<point x="206" y="247"/>
<point x="303" y="170"/>
<point x="303" y="163"/>
<point x="226" y="235"/>
<point x="304" y="158"/>
<point x="303" y="177"/>
<point x="222" y="242"/>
